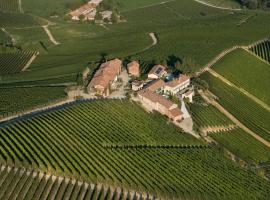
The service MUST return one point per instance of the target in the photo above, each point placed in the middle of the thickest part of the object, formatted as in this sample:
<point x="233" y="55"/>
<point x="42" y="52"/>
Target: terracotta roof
<point x="154" y="85"/>
<point x="106" y="73"/>
<point x="133" y="64"/>
<point x="133" y="67"/>
<point x="177" y="81"/>
<point x="85" y="9"/>
<point x="157" y="70"/>
<point x="175" y="112"/>
<point x="156" y="98"/>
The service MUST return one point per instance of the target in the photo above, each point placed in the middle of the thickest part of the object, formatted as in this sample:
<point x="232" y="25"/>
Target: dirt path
<point x="233" y="119"/>
<point x="20" y="6"/>
<point x="48" y="32"/>
<point x="9" y="35"/>
<point x="218" y="7"/>
<point x="216" y="59"/>
<point x="258" y="101"/>
<point x="154" y="43"/>
<point x="30" y="61"/>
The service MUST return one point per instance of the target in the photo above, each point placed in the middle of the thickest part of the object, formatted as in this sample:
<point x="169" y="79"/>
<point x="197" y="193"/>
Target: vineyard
<point x="246" y="71"/>
<point x="17" y="20"/>
<point x="57" y="142"/>
<point x="14" y="62"/>
<point x="20" y="183"/>
<point x="18" y="99"/>
<point x="208" y="115"/>
<point x="9" y="6"/>
<point x="243" y="145"/>
<point x="4" y="39"/>
<point x="262" y="50"/>
<point x="251" y="114"/>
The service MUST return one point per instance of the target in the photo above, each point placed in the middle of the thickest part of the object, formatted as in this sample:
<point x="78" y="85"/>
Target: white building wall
<point x="178" y="88"/>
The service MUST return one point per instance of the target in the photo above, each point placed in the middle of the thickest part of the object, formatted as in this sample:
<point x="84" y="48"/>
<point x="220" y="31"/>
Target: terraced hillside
<point x="243" y="145"/>
<point x="15" y="62"/>
<point x="262" y="50"/>
<point x="60" y="143"/>
<point x="4" y="38"/>
<point x="242" y="107"/>
<point x="18" y="99"/>
<point x="9" y="6"/>
<point x="17" y="20"/>
<point x="247" y="72"/>
<point x="179" y="35"/>
<point x="20" y="183"/>
<point x="208" y="116"/>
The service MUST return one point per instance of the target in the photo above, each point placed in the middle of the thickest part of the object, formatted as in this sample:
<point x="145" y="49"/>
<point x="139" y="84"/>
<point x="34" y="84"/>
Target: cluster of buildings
<point x="152" y="93"/>
<point x="88" y="11"/>
<point x="105" y="77"/>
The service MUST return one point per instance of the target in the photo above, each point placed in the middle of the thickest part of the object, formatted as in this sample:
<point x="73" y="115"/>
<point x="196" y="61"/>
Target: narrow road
<point x="233" y="119"/>
<point x="48" y="32"/>
<point x="9" y="35"/>
<point x="154" y="39"/>
<point x="218" y="7"/>
<point x="216" y="59"/>
<point x="30" y="61"/>
<point x="258" y="101"/>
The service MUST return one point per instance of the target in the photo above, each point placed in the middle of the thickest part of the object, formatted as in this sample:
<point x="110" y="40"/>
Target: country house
<point x="104" y="78"/>
<point x="158" y="71"/>
<point x="133" y="68"/>
<point x="87" y="11"/>
<point x="154" y="101"/>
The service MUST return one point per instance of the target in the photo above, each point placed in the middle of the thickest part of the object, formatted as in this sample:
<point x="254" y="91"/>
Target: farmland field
<point x="20" y="183"/>
<point x="59" y="143"/>
<point x="262" y="50"/>
<point x="9" y="6"/>
<point x="208" y="115"/>
<point x="18" y="99"/>
<point x="179" y="34"/>
<point x="246" y="71"/>
<point x="242" y="107"/>
<point x="4" y="38"/>
<point x="17" y="20"/>
<point x="243" y="145"/>
<point x="14" y="62"/>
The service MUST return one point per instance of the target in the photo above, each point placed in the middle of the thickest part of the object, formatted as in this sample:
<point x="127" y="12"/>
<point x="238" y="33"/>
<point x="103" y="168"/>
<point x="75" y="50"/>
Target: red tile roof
<point x="154" y="85"/>
<point x="156" y="98"/>
<point x="134" y="68"/>
<point x="106" y="73"/>
<point x="175" y="112"/>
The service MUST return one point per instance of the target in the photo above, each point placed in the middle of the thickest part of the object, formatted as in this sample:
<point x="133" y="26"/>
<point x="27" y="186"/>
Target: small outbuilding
<point x="157" y="72"/>
<point x="134" y="68"/>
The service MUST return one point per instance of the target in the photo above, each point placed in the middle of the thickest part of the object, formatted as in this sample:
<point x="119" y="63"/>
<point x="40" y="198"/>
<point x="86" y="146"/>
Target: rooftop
<point x="157" y="70"/>
<point x="106" y="73"/>
<point x="178" y="81"/>
<point x="156" y="98"/>
<point x="154" y="85"/>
